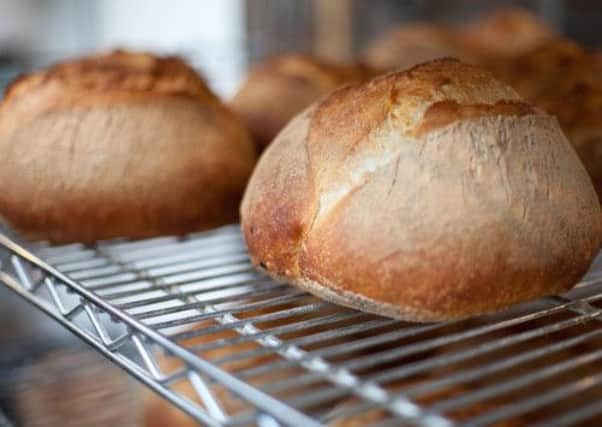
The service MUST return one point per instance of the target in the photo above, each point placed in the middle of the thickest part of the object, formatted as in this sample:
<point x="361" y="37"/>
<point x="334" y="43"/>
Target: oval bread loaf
<point x="120" y="144"/>
<point x="429" y="194"/>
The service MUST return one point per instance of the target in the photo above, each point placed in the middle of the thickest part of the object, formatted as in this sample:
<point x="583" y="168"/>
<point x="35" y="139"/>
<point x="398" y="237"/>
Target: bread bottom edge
<point x="360" y="302"/>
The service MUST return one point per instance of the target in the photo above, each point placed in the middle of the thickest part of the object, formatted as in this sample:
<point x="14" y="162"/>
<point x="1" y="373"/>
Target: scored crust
<point x="119" y="145"/>
<point x="366" y="201"/>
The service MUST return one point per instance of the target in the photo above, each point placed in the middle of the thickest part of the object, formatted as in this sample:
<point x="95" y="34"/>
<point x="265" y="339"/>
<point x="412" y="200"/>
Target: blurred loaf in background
<point x="278" y="89"/>
<point x="121" y="144"/>
<point x="500" y="34"/>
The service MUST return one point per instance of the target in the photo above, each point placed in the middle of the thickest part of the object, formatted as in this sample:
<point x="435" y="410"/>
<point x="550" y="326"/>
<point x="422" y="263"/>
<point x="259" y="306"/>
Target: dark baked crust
<point x="119" y="145"/>
<point x="274" y="92"/>
<point x="361" y="203"/>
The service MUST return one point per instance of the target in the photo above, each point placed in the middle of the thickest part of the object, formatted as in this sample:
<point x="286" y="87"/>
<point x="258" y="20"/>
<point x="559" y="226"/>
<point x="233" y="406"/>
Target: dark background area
<point x="293" y="24"/>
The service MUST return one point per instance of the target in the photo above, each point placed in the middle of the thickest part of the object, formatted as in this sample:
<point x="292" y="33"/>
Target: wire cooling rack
<point x="190" y="318"/>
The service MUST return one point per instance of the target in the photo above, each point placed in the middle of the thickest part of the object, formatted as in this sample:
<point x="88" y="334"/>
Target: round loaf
<point x="430" y="194"/>
<point x="120" y="144"/>
<point x="412" y="44"/>
<point x="277" y="90"/>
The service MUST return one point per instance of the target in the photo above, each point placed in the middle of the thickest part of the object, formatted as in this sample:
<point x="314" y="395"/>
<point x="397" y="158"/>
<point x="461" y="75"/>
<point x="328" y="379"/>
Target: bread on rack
<point x="566" y="81"/>
<point x="277" y="90"/>
<point x="429" y="194"/>
<point x="412" y="44"/>
<point x="119" y="144"/>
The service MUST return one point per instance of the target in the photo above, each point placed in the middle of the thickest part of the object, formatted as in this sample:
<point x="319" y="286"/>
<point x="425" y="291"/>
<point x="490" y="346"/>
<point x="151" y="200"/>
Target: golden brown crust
<point x="443" y="113"/>
<point x="276" y="91"/>
<point x="118" y="73"/>
<point x="369" y="201"/>
<point x="288" y="219"/>
<point x="119" y="145"/>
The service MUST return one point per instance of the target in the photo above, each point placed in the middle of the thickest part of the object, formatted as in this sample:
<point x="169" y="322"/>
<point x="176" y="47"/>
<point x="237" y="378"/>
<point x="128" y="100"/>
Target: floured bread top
<point x="111" y="78"/>
<point x="359" y="128"/>
<point x="118" y="70"/>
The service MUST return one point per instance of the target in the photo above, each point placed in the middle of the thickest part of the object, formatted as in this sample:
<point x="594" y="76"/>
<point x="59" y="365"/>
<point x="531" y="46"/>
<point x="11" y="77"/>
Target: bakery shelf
<point x="238" y="348"/>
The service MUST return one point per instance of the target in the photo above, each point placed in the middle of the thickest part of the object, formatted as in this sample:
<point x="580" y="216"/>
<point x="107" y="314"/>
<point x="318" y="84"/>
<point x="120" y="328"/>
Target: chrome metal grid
<point x="193" y="320"/>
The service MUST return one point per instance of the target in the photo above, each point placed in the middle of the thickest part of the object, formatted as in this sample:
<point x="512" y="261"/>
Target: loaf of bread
<point x="277" y="90"/>
<point x="120" y="144"/>
<point x="566" y="81"/>
<point x="429" y="194"/>
<point x="412" y="44"/>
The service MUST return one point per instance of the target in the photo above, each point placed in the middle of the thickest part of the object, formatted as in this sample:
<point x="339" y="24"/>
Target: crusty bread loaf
<point x="120" y="144"/>
<point x="412" y="44"/>
<point x="277" y="90"/>
<point x="429" y="194"/>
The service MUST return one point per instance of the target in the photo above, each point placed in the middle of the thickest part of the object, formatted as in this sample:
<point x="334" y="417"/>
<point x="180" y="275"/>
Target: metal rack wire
<point x="193" y="320"/>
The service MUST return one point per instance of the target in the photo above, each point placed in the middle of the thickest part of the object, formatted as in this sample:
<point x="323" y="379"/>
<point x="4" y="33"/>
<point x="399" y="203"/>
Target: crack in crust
<point x="435" y="94"/>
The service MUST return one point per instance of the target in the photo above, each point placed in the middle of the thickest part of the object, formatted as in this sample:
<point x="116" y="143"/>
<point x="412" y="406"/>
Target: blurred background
<point x="221" y="39"/>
